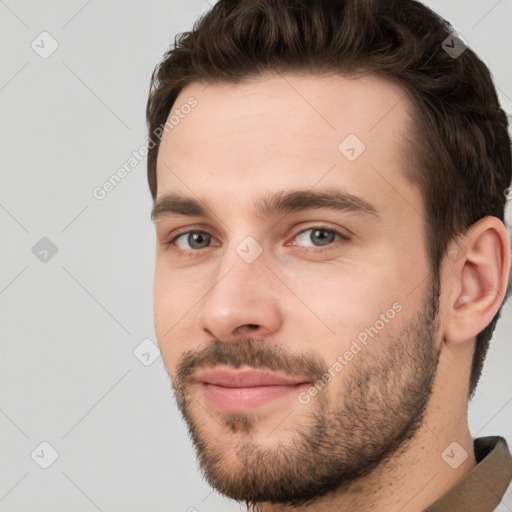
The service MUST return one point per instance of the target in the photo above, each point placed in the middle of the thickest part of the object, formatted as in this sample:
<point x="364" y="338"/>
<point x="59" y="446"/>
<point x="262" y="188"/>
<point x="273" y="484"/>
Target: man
<point x="329" y="181"/>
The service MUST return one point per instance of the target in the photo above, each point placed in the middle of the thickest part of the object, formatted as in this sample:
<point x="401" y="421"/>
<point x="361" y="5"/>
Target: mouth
<point x="229" y="390"/>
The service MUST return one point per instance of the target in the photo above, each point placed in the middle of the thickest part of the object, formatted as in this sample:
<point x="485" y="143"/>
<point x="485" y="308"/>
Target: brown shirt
<point x="482" y="489"/>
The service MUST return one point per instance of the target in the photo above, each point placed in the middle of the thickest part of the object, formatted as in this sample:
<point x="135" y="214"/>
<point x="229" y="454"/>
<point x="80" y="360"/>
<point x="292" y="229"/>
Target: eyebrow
<point x="279" y="203"/>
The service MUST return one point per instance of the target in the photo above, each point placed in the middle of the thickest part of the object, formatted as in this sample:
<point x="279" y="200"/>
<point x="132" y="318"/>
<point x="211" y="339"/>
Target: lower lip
<point x="245" y="399"/>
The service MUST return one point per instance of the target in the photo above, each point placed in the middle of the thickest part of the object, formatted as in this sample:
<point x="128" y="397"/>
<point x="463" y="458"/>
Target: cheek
<point x="172" y="291"/>
<point x="173" y="301"/>
<point x="342" y="299"/>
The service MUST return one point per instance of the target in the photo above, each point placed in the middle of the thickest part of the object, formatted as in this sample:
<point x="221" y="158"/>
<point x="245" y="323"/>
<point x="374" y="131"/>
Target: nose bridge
<point x="244" y="261"/>
<point x="241" y="274"/>
<point x="240" y="294"/>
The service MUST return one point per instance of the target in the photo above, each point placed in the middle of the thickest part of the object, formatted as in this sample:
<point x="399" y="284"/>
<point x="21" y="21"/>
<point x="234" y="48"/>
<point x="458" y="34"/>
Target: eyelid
<point x="342" y="237"/>
<point x="167" y="239"/>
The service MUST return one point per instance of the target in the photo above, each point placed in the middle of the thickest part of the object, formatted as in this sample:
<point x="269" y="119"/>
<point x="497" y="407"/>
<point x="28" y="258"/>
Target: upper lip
<point x="246" y="378"/>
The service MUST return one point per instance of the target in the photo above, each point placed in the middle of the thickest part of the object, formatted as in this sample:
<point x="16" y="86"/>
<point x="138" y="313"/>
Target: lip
<point x="231" y="390"/>
<point x="230" y="378"/>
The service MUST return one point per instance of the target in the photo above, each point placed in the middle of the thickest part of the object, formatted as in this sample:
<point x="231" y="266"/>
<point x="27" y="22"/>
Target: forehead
<point x="269" y="131"/>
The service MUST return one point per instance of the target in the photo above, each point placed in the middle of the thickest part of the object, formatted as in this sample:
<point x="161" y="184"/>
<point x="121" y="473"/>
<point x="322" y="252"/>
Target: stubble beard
<point x="340" y="439"/>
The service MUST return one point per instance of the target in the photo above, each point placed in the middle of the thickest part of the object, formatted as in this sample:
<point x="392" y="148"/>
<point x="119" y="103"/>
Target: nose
<point x="242" y="301"/>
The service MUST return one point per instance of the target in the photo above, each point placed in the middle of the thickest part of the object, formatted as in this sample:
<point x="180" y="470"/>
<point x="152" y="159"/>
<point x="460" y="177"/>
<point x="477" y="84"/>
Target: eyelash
<point x="195" y="252"/>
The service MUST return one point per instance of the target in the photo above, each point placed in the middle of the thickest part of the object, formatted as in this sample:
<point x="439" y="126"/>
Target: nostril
<point x="253" y="326"/>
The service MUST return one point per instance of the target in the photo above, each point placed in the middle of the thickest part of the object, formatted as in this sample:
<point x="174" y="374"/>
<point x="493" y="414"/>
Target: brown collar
<point x="482" y="489"/>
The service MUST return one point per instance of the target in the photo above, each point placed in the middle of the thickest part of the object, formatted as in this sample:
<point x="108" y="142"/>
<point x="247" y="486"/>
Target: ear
<point x="476" y="277"/>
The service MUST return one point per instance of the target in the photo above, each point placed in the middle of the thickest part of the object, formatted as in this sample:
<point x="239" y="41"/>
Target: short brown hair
<point x="462" y="150"/>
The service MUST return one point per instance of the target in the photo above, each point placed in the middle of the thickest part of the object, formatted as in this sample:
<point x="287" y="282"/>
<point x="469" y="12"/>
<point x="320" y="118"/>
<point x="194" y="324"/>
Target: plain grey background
<point x="72" y="319"/>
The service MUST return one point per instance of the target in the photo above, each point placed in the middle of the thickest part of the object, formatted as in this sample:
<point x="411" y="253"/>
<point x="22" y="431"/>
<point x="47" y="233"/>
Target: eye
<point x="319" y="236"/>
<point x="192" y="240"/>
<point x="315" y="237"/>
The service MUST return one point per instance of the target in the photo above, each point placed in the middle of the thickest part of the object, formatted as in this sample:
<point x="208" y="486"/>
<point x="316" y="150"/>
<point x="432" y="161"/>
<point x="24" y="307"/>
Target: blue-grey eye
<point x="318" y="237"/>
<point x="194" y="239"/>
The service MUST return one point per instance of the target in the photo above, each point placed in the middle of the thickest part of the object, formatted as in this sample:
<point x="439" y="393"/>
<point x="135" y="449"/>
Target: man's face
<point x="294" y="303"/>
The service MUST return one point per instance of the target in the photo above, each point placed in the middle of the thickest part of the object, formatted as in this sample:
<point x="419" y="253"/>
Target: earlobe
<point x="478" y="280"/>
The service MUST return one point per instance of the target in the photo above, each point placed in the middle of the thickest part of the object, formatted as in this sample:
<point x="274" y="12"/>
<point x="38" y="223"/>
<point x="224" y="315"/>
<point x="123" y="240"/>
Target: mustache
<point x="255" y="353"/>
